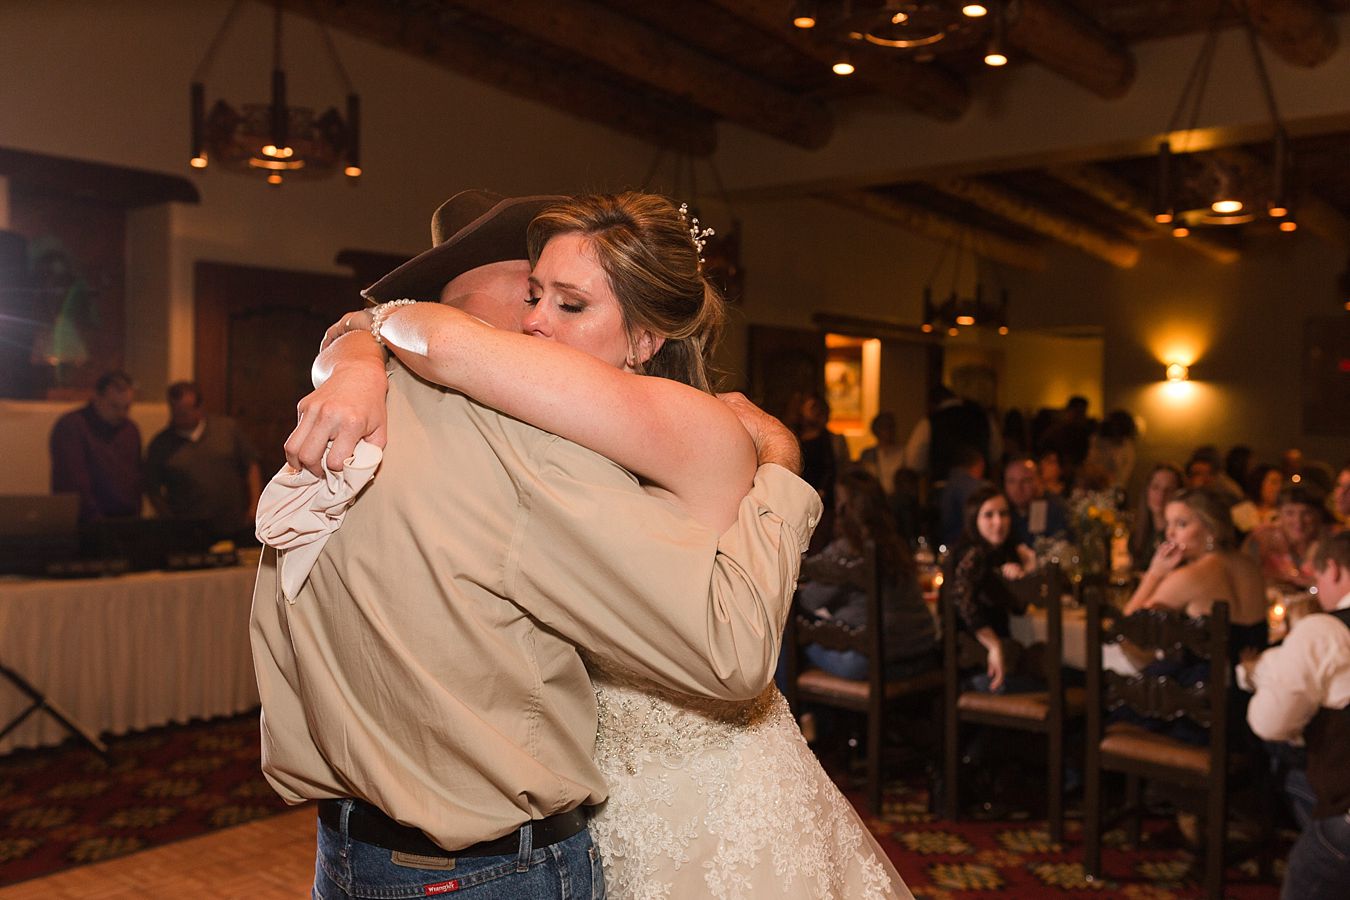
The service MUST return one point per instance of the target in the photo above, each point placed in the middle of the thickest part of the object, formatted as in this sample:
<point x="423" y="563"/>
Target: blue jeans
<point x="1319" y="864"/>
<point x="568" y="870"/>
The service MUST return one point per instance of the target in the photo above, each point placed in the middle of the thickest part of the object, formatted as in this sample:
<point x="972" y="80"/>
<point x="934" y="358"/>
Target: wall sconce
<point x="1177" y="372"/>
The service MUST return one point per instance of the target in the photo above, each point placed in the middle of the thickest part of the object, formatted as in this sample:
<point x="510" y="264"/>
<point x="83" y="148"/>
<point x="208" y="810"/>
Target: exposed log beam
<point x="1311" y="212"/>
<point x="925" y="88"/>
<point x="1107" y="189"/>
<point x="1299" y="31"/>
<point x="639" y="52"/>
<point x="466" y="53"/>
<point x="1064" y="229"/>
<point x="1069" y="44"/>
<point x="985" y="243"/>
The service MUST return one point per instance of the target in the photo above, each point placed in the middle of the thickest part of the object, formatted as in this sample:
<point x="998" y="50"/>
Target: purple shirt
<point x="98" y="461"/>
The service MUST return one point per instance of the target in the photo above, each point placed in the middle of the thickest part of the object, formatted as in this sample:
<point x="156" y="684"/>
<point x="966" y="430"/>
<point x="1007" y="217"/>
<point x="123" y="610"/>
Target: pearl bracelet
<point x="380" y="313"/>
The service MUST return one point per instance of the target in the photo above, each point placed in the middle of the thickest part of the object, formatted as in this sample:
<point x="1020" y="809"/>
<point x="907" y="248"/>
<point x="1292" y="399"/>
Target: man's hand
<point x="773" y="442"/>
<point x="347" y="407"/>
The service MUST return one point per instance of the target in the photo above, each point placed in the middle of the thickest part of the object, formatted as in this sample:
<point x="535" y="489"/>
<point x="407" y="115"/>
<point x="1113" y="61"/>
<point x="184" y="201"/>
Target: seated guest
<point x="967" y="474"/>
<point x="884" y="458"/>
<point x="1203" y="472"/>
<point x="1033" y="513"/>
<point x="988" y="556"/>
<point x="1284" y="549"/>
<point x="1111" y="451"/>
<point x="1149" y="519"/>
<point x="1303" y="690"/>
<point x="1340" y="496"/>
<point x="96" y="452"/>
<point x="1195" y="567"/>
<point x="1260" y="506"/>
<point x="910" y="633"/>
<point x="203" y="467"/>
<point x="1052" y="473"/>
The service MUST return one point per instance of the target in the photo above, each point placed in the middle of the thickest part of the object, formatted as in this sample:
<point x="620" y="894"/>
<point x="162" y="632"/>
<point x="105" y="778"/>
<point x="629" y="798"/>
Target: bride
<point x="706" y="798"/>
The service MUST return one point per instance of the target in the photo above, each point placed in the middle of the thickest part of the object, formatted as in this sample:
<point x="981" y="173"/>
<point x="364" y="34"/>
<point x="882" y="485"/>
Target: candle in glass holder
<point x="1275" y="619"/>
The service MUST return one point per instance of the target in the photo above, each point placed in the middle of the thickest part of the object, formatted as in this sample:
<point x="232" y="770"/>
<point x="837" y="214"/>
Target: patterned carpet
<point x="63" y="807"/>
<point x="966" y="860"/>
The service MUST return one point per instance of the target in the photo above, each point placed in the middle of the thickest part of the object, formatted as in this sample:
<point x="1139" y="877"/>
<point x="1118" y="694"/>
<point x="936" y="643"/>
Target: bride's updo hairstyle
<point x="644" y="244"/>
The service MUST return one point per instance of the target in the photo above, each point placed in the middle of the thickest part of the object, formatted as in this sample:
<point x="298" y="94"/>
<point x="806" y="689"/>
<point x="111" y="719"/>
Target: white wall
<point x="107" y="81"/>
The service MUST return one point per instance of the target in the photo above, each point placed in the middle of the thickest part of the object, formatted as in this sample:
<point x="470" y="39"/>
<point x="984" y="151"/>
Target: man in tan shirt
<point x="425" y="682"/>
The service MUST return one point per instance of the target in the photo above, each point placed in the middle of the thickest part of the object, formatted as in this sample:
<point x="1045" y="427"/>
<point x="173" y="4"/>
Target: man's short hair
<point x="116" y="379"/>
<point x="1333" y="547"/>
<point x="966" y="456"/>
<point x="180" y="389"/>
<point x="1019" y="459"/>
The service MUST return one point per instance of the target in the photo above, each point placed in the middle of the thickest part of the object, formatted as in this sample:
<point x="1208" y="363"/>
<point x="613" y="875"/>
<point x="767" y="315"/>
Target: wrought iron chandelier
<point x="1193" y="191"/>
<point x="918" y="28"/>
<point x="274" y="139"/>
<point x="959" y="309"/>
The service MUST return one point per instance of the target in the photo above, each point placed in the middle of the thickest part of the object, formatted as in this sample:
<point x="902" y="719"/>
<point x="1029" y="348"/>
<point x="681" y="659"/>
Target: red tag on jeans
<point x="441" y="887"/>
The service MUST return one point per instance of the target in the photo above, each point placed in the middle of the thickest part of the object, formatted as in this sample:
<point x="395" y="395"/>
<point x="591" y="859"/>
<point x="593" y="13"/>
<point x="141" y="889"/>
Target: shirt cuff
<point x="787" y="496"/>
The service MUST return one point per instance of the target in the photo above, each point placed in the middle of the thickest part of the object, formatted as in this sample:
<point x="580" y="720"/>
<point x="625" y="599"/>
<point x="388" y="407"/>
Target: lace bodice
<point x="713" y="798"/>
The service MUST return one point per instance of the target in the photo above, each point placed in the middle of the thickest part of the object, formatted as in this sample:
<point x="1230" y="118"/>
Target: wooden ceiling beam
<point x="642" y="53"/>
<point x="1069" y="44"/>
<point x="937" y="227"/>
<point x="923" y="87"/>
<point x="1109" y="190"/>
<point x="466" y="53"/>
<point x="1062" y="228"/>
<point x="1299" y="31"/>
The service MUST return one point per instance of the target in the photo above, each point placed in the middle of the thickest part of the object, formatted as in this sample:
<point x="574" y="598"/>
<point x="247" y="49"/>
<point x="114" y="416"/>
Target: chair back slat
<point x="1158" y="697"/>
<point x="863" y="574"/>
<point x="831" y="635"/>
<point x="1170" y="633"/>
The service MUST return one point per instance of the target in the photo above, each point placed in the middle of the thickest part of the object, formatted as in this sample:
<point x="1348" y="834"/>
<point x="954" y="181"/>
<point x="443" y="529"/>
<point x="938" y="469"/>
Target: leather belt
<point x="370" y="825"/>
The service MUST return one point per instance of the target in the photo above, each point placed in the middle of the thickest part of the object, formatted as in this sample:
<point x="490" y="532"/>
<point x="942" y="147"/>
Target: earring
<point x="1209" y="545"/>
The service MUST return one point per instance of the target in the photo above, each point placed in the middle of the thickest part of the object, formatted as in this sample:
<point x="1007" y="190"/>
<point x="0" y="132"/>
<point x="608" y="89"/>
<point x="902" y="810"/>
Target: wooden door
<point x="257" y="331"/>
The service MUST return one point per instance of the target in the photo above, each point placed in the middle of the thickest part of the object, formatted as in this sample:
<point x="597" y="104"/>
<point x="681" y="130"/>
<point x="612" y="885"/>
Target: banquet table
<point x="1032" y="628"/>
<point x="123" y="653"/>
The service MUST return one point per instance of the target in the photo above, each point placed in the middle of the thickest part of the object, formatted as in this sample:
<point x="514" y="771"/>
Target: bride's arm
<point x="667" y="433"/>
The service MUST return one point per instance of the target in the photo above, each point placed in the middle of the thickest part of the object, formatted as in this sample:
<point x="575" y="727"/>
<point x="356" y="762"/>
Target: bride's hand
<point x="346" y="408"/>
<point x="360" y="320"/>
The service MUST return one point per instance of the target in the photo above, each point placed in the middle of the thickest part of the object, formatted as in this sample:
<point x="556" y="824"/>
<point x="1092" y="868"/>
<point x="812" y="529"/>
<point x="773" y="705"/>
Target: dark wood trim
<point x="94" y="182"/>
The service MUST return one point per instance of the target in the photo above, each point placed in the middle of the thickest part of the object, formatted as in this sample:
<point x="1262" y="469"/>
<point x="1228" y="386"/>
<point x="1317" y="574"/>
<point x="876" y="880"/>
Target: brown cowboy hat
<point x="471" y="229"/>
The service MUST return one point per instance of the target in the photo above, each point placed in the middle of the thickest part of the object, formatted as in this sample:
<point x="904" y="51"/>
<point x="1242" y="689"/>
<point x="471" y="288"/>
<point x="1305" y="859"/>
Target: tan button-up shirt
<point x="429" y="665"/>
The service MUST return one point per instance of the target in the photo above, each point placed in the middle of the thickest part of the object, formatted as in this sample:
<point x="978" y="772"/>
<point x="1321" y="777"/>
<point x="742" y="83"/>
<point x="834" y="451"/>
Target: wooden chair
<point x="807" y="684"/>
<point x="1141" y="754"/>
<point x="1042" y="712"/>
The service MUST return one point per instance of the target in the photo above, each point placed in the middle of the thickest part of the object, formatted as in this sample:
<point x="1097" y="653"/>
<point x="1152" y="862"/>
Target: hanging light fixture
<point x="995" y="53"/>
<point x="804" y="14"/>
<point x="275" y="139"/>
<point x="843" y="63"/>
<point x="914" y="27"/>
<point x="959" y="309"/>
<point x="1191" y="190"/>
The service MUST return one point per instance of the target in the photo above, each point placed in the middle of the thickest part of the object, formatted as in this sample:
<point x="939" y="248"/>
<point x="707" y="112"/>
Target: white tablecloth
<point x="125" y="653"/>
<point x="1032" y="628"/>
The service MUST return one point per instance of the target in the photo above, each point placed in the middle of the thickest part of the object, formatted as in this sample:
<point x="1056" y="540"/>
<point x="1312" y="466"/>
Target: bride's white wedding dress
<point x="722" y="799"/>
